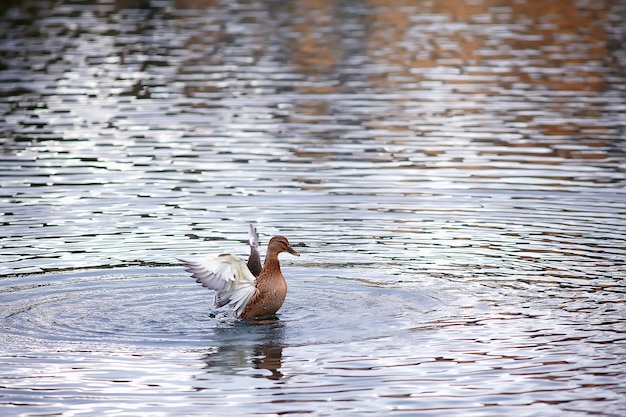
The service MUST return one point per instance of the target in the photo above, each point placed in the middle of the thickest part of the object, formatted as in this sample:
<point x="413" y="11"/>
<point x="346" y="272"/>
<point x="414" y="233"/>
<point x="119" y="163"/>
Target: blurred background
<point x="131" y="128"/>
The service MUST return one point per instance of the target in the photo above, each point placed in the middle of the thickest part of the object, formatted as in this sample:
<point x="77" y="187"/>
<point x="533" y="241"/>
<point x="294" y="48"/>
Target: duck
<point x="252" y="289"/>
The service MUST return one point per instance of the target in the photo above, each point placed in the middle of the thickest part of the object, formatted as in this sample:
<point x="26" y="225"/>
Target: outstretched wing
<point x="254" y="261"/>
<point x="227" y="275"/>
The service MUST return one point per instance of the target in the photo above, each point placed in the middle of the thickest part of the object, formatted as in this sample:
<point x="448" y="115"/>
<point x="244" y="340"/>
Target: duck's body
<point x="270" y="291"/>
<point x="235" y="282"/>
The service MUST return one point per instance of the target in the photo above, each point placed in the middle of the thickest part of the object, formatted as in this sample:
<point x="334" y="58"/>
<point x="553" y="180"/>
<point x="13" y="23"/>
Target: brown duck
<point x="253" y="291"/>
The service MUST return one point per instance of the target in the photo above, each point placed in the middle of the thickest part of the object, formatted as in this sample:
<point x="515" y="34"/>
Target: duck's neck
<point x="271" y="264"/>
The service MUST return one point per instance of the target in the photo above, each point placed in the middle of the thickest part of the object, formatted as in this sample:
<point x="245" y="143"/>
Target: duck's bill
<point x="293" y="251"/>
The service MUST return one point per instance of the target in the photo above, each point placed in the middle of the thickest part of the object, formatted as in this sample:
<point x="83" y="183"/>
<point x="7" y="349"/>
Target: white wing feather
<point x="253" y="238"/>
<point x="227" y="275"/>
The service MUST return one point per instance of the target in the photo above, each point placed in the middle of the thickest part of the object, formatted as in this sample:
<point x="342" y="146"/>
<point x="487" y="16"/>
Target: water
<point x="451" y="172"/>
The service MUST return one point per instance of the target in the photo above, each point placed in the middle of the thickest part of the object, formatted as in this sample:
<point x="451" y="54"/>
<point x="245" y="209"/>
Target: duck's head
<point x="280" y="244"/>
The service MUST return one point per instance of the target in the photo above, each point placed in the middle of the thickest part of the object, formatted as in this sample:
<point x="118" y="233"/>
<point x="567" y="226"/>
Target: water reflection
<point x="244" y="344"/>
<point x="269" y="357"/>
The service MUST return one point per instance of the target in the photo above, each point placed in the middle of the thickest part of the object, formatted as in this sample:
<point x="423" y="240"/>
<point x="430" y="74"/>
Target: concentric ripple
<point x="162" y="308"/>
<point x="371" y="342"/>
<point x="92" y="307"/>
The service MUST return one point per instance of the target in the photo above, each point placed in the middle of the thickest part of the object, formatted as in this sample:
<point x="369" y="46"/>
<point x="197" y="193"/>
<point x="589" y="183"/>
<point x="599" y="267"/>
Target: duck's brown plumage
<point x="271" y="287"/>
<point x="236" y="285"/>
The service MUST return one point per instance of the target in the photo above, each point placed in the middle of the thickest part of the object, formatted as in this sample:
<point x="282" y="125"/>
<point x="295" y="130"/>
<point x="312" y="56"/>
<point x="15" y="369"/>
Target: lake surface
<point x="453" y="174"/>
